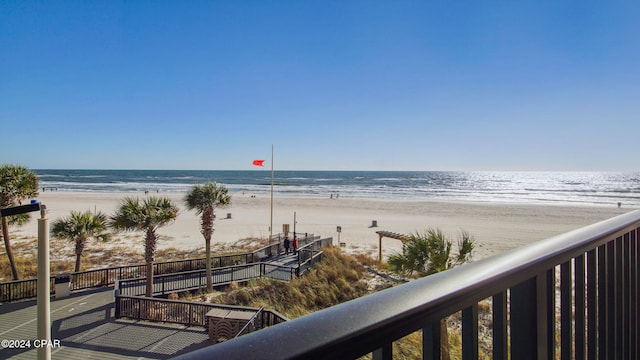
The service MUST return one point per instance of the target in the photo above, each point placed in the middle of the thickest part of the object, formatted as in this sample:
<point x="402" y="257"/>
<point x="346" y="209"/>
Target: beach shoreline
<point x="496" y="226"/>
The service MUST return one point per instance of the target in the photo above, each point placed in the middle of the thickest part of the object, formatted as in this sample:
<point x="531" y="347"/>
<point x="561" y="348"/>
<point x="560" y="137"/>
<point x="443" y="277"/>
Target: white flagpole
<point x="271" y="224"/>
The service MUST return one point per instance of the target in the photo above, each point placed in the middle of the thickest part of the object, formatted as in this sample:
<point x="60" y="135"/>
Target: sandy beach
<point x="496" y="227"/>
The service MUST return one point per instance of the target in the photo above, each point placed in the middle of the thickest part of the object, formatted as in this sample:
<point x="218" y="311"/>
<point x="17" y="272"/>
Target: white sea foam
<point x="593" y="188"/>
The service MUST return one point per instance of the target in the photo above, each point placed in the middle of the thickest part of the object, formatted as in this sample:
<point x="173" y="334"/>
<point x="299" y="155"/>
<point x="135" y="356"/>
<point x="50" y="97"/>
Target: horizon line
<point x="343" y="170"/>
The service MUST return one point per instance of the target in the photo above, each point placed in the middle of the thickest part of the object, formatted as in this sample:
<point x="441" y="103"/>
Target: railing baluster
<point x="619" y="295"/>
<point x="611" y="304"/>
<point x="551" y="312"/>
<point x="529" y="317"/>
<point x="566" y="307"/>
<point x="117" y="298"/>
<point x="592" y="303"/>
<point x="626" y="313"/>
<point x="635" y="325"/>
<point x="499" y="304"/>
<point x="384" y="353"/>
<point x="603" y="302"/>
<point x="470" y="332"/>
<point x="431" y="339"/>
<point x="580" y="319"/>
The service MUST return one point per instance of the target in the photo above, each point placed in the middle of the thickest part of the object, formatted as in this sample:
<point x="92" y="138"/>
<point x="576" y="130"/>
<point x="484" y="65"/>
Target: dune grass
<point x="335" y="279"/>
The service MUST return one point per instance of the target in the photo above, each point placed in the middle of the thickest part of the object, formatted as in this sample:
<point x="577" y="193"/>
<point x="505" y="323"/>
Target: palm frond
<point x="430" y="252"/>
<point x="205" y="196"/>
<point x="17" y="183"/>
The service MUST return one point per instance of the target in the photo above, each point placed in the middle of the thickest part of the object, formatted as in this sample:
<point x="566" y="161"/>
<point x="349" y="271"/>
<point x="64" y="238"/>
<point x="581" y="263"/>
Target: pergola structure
<point x="389" y="234"/>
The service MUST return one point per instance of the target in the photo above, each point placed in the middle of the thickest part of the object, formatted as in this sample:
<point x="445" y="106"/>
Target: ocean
<point x="573" y="188"/>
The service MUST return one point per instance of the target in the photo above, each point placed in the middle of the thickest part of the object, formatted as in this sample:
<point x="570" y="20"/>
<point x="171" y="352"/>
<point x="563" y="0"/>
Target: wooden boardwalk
<point x="281" y="267"/>
<point x="84" y="324"/>
<point x="86" y="328"/>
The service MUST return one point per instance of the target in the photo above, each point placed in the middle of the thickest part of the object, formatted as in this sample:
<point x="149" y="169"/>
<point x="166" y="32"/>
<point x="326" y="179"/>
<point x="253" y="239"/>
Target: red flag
<point x="257" y="162"/>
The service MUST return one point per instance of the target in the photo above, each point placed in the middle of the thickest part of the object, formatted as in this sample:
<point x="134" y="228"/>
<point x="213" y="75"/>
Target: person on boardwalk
<point x="295" y="244"/>
<point x="287" y="242"/>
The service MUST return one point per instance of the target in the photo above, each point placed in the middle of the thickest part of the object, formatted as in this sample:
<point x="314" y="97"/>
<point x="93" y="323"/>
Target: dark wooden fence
<point x="194" y="280"/>
<point x="26" y="289"/>
<point x="19" y="289"/>
<point x="573" y="296"/>
<point x="184" y="312"/>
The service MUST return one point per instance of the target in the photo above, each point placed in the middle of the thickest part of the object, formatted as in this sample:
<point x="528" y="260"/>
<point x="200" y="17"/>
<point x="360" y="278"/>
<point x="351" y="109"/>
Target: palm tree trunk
<point x="149" y="289"/>
<point x="80" y="241"/>
<point x="7" y="246"/>
<point x="207" y="230"/>
<point x="208" y="264"/>
<point x="149" y="252"/>
<point x="77" y="262"/>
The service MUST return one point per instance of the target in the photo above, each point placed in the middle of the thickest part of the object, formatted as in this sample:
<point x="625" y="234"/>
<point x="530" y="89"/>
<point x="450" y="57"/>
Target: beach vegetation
<point x="17" y="183"/>
<point x="335" y="279"/>
<point x="430" y="252"/>
<point x="148" y="215"/>
<point x="79" y="227"/>
<point x="204" y="199"/>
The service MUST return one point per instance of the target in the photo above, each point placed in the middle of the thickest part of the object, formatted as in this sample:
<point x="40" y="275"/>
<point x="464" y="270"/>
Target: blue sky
<point x="334" y="85"/>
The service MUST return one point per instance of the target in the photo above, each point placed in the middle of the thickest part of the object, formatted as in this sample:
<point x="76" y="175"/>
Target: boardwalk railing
<point x="251" y="325"/>
<point x="194" y="280"/>
<point x="592" y="314"/>
<point x="26" y="289"/>
<point x="310" y="254"/>
<point x="185" y="312"/>
<point x="20" y="289"/>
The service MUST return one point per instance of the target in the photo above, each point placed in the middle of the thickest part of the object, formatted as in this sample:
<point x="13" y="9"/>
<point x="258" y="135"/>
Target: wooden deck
<point x="84" y="324"/>
<point x="86" y="328"/>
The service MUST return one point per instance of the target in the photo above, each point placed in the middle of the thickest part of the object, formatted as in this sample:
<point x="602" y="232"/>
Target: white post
<point x="43" y="297"/>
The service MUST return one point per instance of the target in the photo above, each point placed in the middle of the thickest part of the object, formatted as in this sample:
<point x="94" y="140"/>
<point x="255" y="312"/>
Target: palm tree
<point x="147" y="216"/>
<point x="17" y="183"/>
<point x="205" y="199"/>
<point x="429" y="253"/>
<point x="80" y="227"/>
